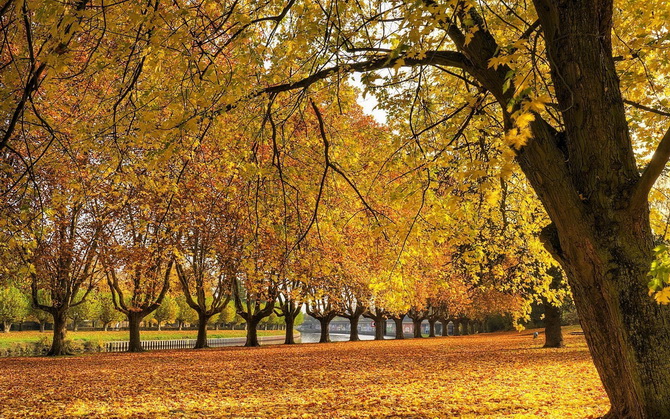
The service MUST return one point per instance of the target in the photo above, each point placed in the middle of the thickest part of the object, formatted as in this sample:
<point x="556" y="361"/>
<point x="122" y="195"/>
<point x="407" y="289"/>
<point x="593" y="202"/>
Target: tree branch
<point x="646" y="108"/>
<point x="651" y="173"/>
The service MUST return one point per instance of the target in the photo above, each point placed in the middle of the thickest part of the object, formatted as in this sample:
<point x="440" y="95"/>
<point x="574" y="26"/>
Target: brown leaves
<point x="488" y="375"/>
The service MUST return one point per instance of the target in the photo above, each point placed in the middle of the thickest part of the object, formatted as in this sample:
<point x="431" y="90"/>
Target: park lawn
<point x="7" y="339"/>
<point x="483" y="376"/>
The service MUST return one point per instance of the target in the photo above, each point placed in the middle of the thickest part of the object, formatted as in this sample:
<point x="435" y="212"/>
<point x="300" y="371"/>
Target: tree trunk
<point x="289" y="320"/>
<point x="325" y="332"/>
<point x="181" y="326"/>
<point x="75" y="326"/>
<point x="399" y="333"/>
<point x="42" y="326"/>
<point x="201" y="340"/>
<point x="445" y="327"/>
<point x="417" y="328"/>
<point x="134" y="320"/>
<point x="353" y="332"/>
<point x="553" y="336"/>
<point x="379" y="328"/>
<point x="588" y="180"/>
<point x="105" y="326"/>
<point x="466" y="327"/>
<point x="432" y="328"/>
<point x="6" y="326"/>
<point x="60" y="330"/>
<point x="457" y="327"/>
<point x="252" y="334"/>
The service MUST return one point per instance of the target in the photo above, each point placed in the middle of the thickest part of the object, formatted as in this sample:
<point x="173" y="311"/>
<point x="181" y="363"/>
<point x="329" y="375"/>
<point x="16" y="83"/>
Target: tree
<point x="185" y="313"/>
<point x="289" y="305"/>
<point x="320" y="305"/>
<point x="352" y="307"/>
<point x="41" y="317"/>
<point x="229" y="317"/>
<point x="545" y="84"/>
<point x="254" y="294"/>
<point x="418" y="315"/>
<point x="553" y="335"/>
<point x="253" y="308"/>
<point x="107" y="312"/>
<point x="378" y="316"/>
<point x="211" y="234"/>
<point x="88" y="310"/>
<point x="63" y="252"/>
<point x="582" y="167"/>
<point x="13" y="306"/>
<point x="139" y="254"/>
<point x="166" y="312"/>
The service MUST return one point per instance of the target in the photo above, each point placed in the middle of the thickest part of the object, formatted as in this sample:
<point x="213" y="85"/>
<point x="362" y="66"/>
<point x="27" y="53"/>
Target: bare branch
<point x="646" y="108"/>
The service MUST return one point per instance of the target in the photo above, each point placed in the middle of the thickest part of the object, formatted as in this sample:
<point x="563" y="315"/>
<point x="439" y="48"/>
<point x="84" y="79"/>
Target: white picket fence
<point x="153" y="345"/>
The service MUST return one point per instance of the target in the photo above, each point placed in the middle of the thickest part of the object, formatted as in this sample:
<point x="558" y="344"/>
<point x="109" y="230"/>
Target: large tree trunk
<point x="399" y="333"/>
<point x="252" y="334"/>
<point x="325" y="332"/>
<point x="105" y="326"/>
<point x="289" y="320"/>
<point x="588" y="180"/>
<point x="353" y="332"/>
<point x="60" y="330"/>
<point x="201" y="340"/>
<point x="457" y="327"/>
<point x="6" y="326"/>
<point x="42" y="327"/>
<point x="134" y="320"/>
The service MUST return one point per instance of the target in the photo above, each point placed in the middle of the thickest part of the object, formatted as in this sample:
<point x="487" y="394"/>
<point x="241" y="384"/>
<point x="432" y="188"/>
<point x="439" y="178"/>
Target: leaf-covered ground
<point x="490" y="375"/>
<point x="7" y="339"/>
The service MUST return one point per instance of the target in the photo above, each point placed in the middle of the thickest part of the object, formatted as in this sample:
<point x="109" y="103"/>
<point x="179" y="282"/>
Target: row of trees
<point x="16" y="307"/>
<point x="504" y="120"/>
<point x="268" y="230"/>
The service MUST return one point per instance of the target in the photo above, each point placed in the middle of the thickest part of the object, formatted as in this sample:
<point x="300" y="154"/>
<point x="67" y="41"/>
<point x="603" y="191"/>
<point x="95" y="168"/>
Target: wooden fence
<point x="153" y="345"/>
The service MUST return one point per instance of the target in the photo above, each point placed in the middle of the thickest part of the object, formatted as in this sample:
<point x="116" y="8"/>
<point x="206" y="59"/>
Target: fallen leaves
<point x="488" y="375"/>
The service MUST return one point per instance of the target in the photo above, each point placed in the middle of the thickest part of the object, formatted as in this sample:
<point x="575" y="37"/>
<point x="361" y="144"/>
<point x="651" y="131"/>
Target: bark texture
<point x="252" y="333"/>
<point x="134" y="320"/>
<point x="553" y="335"/>
<point x="288" y="337"/>
<point x="58" y="346"/>
<point x="201" y="340"/>
<point x="353" y="332"/>
<point x="399" y="333"/>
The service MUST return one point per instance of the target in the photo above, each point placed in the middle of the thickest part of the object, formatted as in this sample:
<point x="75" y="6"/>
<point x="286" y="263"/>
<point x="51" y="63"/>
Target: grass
<point x="7" y="339"/>
<point x="482" y="376"/>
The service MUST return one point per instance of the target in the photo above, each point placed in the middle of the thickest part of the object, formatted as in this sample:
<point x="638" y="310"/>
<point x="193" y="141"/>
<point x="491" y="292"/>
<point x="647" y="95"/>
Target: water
<point x="306" y="337"/>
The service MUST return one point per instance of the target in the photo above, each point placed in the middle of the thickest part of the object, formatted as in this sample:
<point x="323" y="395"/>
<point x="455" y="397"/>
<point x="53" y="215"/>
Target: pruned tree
<point x="139" y="256"/>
